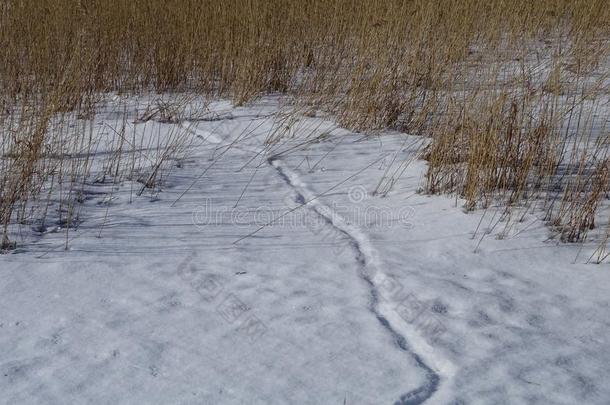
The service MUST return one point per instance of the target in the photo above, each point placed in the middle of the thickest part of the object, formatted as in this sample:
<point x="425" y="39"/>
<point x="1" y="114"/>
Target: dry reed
<point x="514" y="95"/>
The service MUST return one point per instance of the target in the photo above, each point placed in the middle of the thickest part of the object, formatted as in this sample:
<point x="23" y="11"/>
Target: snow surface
<point x="304" y="270"/>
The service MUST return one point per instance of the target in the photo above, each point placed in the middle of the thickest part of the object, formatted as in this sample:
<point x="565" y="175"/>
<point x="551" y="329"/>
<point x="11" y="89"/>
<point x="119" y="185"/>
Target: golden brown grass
<point x="511" y="93"/>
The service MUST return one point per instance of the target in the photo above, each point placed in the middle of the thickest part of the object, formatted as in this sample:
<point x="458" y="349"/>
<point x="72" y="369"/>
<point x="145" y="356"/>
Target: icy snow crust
<point x="272" y="273"/>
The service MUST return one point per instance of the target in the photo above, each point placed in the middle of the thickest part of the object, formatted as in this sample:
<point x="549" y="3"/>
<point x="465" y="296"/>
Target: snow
<point x="268" y="270"/>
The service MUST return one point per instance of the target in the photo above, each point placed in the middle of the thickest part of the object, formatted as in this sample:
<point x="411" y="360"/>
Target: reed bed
<point x="514" y="95"/>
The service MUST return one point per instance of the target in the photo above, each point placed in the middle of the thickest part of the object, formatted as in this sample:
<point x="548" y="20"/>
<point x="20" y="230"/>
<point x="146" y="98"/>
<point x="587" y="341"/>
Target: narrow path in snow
<point x="365" y="255"/>
<point x="368" y="270"/>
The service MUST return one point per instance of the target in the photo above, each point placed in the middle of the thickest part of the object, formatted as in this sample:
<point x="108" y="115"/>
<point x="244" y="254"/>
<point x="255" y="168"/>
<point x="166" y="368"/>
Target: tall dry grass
<point x="513" y="94"/>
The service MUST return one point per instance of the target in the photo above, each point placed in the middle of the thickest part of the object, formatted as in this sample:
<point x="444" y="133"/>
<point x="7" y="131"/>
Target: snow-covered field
<point x="304" y="271"/>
